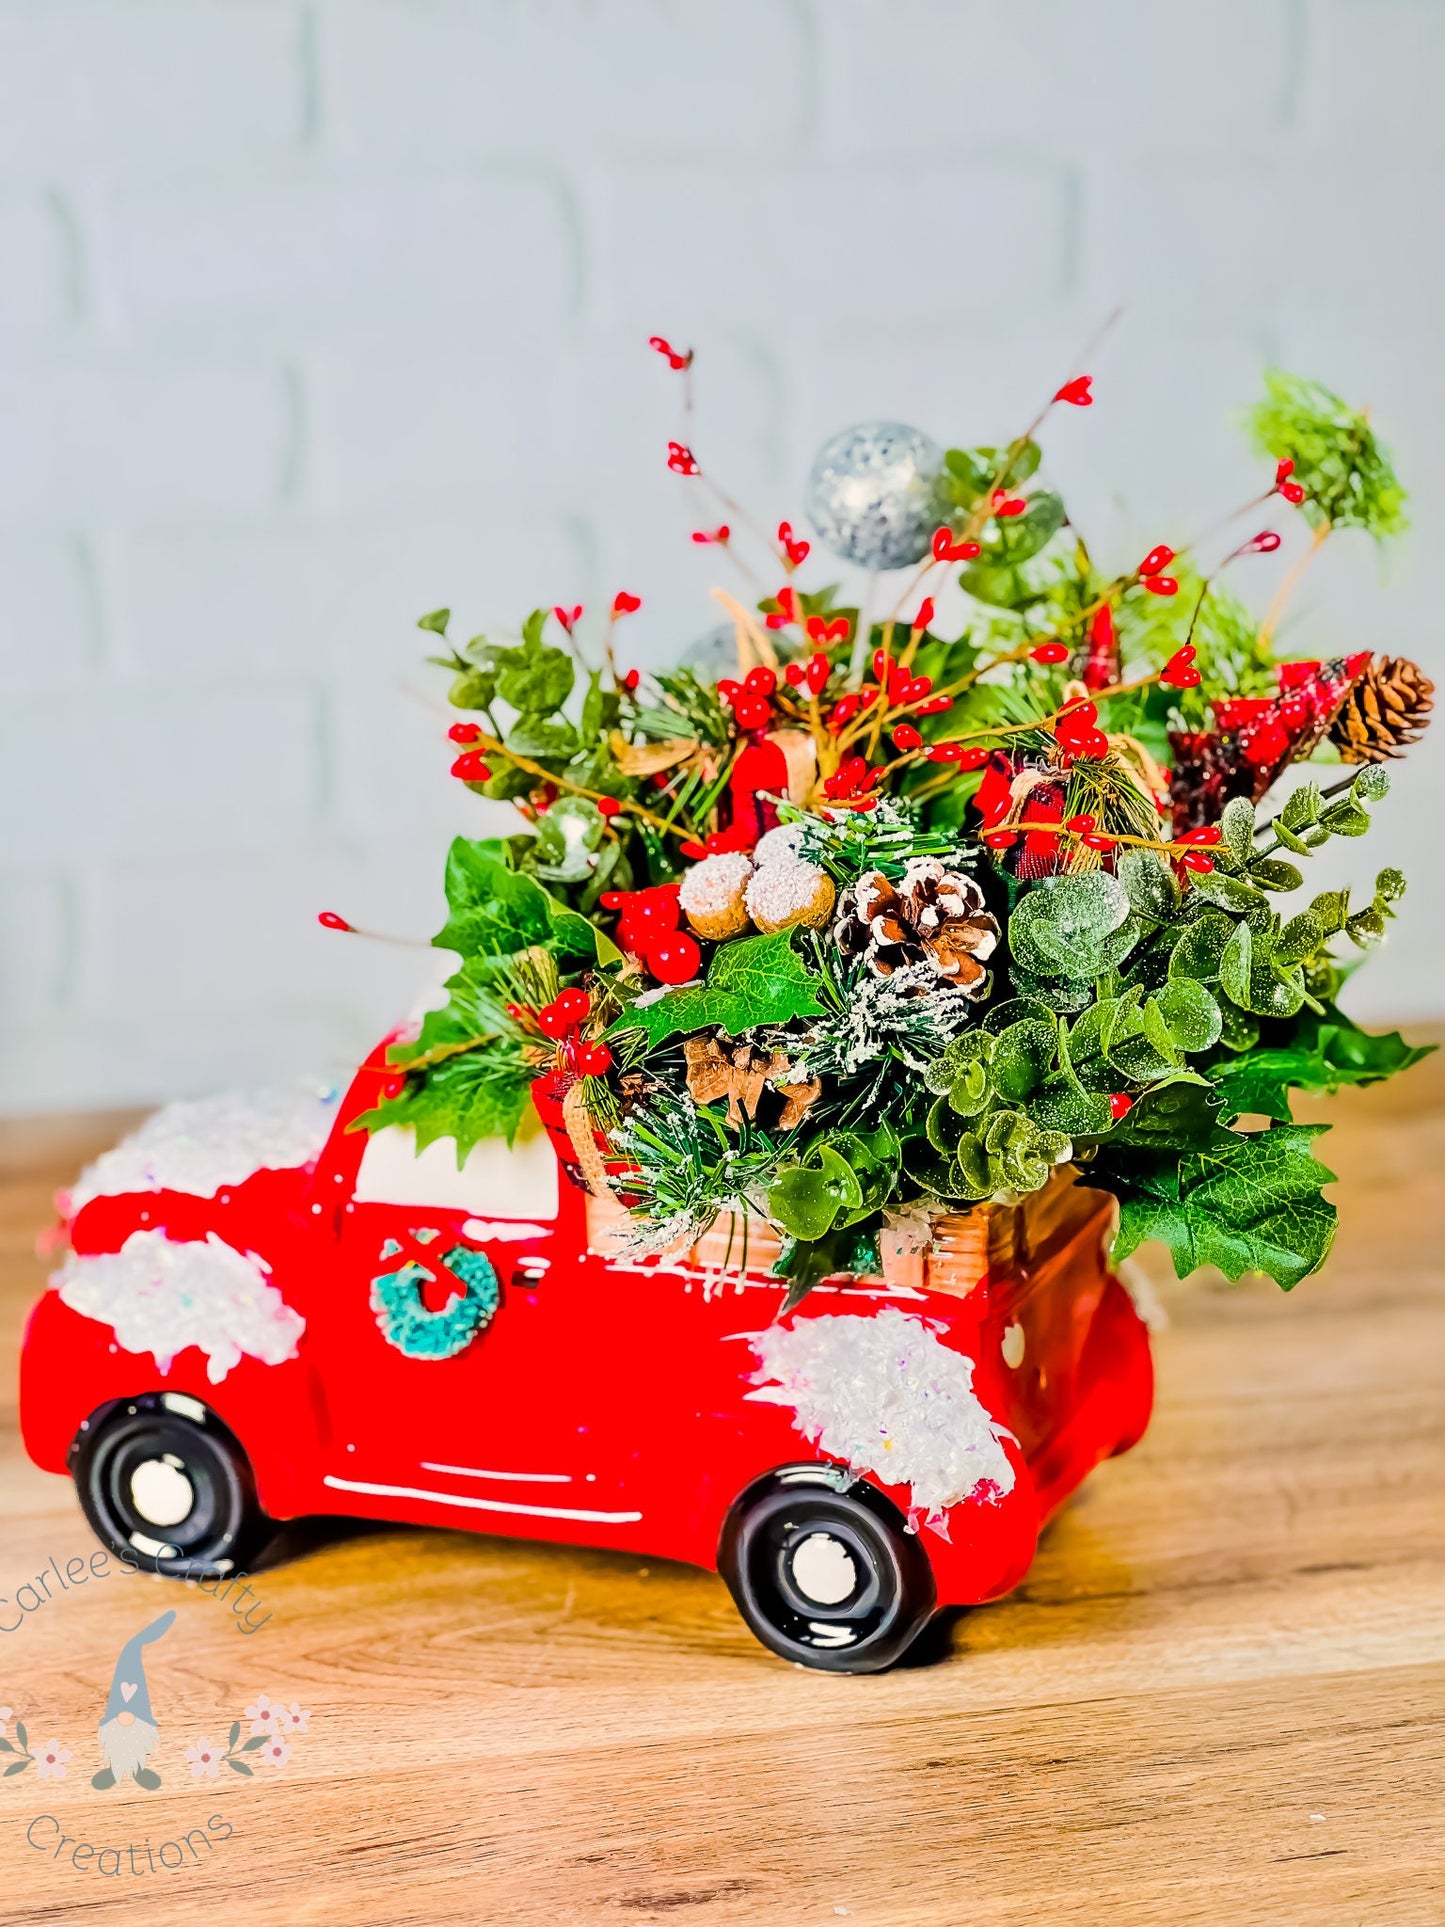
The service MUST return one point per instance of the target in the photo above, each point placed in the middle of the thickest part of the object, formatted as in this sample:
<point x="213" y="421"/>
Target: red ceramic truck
<point x="263" y="1314"/>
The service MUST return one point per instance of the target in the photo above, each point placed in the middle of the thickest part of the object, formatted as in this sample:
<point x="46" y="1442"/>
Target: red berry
<point x="613" y="899"/>
<point x="1001" y="839"/>
<point x="882" y="664"/>
<point x="594" y="1060"/>
<point x="1076" y="392"/>
<point x="1157" y="559"/>
<point x="906" y="737"/>
<point x="1197" y="860"/>
<point x="819" y="670"/>
<point x="632" y="679"/>
<point x="1050" y="652"/>
<point x="760" y="682"/>
<point x="471" y="767"/>
<point x="935" y="706"/>
<point x="693" y="851"/>
<point x="329" y="920"/>
<point x="942" y="753"/>
<point x="608" y="806"/>
<point x="925" y="614"/>
<point x="1121" y="1104"/>
<point x="1161" y="585"/>
<point x="795" y="674"/>
<point x="1265" y="543"/>
<point x="752" y="712"/>
<point x="552" y="1023"/>
<point x="680" y="459"/>
<point x="675" y="960"/>
<point x="1013" y="505"/>
<point x="624" y="604"/>
<point x="464" y="733"/>
<point x="1292" y="492"/>
<point x="719" y="534"/>
<point x="1208" y="833"/>
<point x="572" y="1004"/>
<point x="973" y="758"/>
<point x="728" y="691"/>
<point x="1283" y="470"/>
<point x="1081" y="824"/>
<point x="1092" y="842"/>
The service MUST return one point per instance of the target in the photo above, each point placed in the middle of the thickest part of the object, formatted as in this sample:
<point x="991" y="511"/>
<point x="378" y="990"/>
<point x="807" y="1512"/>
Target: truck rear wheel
<point x="823" y="1572"/>
<point x="166" y="1486"/>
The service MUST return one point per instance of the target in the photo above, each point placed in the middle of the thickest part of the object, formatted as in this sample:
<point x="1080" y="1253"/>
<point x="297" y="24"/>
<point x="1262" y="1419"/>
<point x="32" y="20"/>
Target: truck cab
<point x="263" y="1312"/>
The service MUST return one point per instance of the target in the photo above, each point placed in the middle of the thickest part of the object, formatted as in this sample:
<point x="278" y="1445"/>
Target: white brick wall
<point x="317" y="313"/>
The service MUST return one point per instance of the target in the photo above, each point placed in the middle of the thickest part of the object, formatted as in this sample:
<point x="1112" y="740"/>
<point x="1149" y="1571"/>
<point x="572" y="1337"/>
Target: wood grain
<point x="1217" y="1697"/>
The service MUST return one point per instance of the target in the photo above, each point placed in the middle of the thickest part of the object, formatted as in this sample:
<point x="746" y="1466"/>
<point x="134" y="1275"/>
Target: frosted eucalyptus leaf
<point x="1149" y="884"/>
<point x="1239" y="1030"/>
<point x="1346" y="818"/>
<point x="1390" y="884"/>
<point x="1014" y="1011"/>
<point x="1301" y="808"/>
<point x="1061" y="927"/>
<point x="969" y="1092"/>
<point x="1192" y="1016"/>
<point x="1270" y="873"/>
<point x="1230" y="893"/>
<point x="1200" y="951"/>
<point x="1022" y="1057"/>
<point x="1065" y="1106"/>
<point x="1299" y="939"/>
<point x="1237" y="824"/>
<point x="1372" y="785"/>
<point x="1235" y="963"/>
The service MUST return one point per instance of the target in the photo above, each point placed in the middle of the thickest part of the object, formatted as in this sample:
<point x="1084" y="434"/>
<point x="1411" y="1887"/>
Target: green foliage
<point x="478" y="1093"/>
<point x="1338" y="459"/>
<point x="1243" y="1203"/>
<point x="752" y="981"/>
<point x="1320" y="1054"/>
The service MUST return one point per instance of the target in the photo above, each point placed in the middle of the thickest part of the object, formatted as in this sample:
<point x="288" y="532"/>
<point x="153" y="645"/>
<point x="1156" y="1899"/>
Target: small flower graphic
<point x="50" y="1761"/>
<point x="296" y="1718"/>
<point x="264" y="1717"/>
<point x="205" y="1760"/>
<point x="276" y="1751"/>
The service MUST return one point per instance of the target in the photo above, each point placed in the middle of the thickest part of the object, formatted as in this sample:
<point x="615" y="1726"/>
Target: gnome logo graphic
<point x="128" y="1731"/>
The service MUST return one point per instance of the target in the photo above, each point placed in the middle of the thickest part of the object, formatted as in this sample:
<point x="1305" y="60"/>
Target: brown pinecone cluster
<point x="929" y="916"/>
<point x="1385" y="711"/>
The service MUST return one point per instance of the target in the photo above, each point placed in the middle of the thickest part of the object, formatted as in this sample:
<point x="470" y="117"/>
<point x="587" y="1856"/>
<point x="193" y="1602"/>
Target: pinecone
<point x="930" y="916"/>
<point x="1384" y="713"/>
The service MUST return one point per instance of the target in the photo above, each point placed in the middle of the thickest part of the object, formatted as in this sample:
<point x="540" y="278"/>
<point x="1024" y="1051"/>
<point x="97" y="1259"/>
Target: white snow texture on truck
<point x="883" y="1394"/>
<point x="159" y="1297"/>
<point x="201" y="1144"/>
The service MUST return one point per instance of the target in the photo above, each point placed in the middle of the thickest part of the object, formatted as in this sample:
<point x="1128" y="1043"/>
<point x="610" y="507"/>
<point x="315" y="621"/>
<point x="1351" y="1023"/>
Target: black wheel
<point x="167" y="1487"/>
<point x="824" y="1573"/>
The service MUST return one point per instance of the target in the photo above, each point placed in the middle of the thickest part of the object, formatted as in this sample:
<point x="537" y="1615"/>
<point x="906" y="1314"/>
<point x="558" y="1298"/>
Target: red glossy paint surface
<point x="605" y="1404"/>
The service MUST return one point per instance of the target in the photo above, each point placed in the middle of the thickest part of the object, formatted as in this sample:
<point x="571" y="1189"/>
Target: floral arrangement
<point x="889" y="923"/>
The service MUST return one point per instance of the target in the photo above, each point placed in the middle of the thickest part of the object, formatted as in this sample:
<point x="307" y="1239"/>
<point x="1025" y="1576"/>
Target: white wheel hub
<point x="160" y="1491"/>
<point x="824" y="1570"/>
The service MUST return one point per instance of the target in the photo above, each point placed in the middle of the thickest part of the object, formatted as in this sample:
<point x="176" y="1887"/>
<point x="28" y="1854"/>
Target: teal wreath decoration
<point x="418" y="1333"/>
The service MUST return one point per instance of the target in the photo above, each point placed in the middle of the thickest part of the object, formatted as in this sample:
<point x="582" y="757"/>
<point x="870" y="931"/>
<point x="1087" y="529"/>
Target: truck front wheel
<point x="167" y="1487"/>
<point x="822" y="1570"/>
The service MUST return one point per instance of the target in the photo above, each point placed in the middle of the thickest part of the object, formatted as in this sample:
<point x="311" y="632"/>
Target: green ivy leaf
<point x="476" y="1094"/>
<point x="752" y="981"/>
<point x="1241" y="1203"/>
<point x="534" y="676"/>
<point x="494" y="911"/>
<point x="1324" y="1054"/>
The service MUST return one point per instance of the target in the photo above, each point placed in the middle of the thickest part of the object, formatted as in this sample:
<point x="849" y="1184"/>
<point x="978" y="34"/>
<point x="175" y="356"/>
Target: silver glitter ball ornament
<point x="876" y="495"/>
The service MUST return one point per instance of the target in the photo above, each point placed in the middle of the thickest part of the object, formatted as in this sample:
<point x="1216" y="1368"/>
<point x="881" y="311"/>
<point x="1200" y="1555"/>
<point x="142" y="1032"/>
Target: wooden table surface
<point x="1218" y="1697"/>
